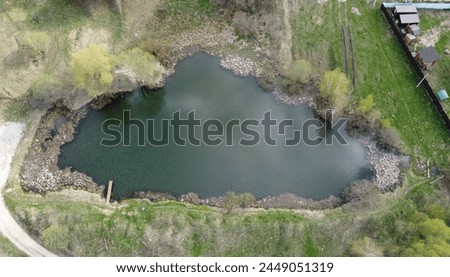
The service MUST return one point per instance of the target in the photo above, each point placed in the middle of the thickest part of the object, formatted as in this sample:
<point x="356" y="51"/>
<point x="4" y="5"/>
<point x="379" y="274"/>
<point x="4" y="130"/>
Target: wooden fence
<point x="416" y="66"/>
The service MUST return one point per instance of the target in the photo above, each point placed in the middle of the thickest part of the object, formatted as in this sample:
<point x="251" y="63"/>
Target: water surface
<point x="201" y="85"/>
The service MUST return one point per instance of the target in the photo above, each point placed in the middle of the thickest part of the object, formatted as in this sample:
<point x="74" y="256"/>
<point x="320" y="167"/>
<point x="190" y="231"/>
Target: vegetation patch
<point x="7" y="249"/>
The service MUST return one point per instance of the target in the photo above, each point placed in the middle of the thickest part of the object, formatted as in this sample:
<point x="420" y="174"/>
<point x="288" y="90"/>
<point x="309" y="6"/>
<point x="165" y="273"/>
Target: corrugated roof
<point x="409" y="18"/>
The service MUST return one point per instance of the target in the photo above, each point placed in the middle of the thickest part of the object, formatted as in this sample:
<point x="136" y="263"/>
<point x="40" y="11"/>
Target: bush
<point x="143" y="64"/>
<point x="230" y="201"/>
<point x="366" y="247"/>
<point x="55" y="238"/>
<point x="363" y="189"/>
<point x="243" y="24"/>
<point x="366" y="105"/>
<point x="91" y="69"/>
<point x="300" y="71"/>
<point x="334" y="87"/>
<point x="160" y="50"/>
<point x="45" y="90"/>
<point x="390" y="139"/>
<point x="436" y="211"/>
<point x="246" y="200"/>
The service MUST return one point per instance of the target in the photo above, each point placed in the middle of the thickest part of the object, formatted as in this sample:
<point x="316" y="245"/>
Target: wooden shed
<point x="409" y="38"/>
<point x="408" y="19"/>
<point x="413" y="29"/>
<point x="427" y="57"/>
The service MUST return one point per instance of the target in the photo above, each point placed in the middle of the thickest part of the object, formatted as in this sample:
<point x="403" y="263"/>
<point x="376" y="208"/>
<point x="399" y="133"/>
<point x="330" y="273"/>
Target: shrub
<point x="300" y="71"/>
<point x="230" y="201"/>
<point x="143" y="64"/>
<point x="360" y="190"/>
<point x="91" y="69"/>
<point x="246" y="200"/>
<point x="158" y="49"/>
<point x="436" y="211"/>
<point x="55" y="238"/>
<point x="390" y="139"/>
<point x="366" y="105"/>
<point x="44" y="90"/>
<point x="366" y="247"/>
<point x="243" y="24"/>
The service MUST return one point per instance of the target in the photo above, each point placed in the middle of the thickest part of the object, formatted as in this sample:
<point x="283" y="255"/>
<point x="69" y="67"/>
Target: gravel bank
<point x="386" y="165"/>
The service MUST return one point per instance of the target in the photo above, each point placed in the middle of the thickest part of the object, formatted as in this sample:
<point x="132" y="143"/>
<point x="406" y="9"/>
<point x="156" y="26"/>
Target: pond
<point x="120" y="142"/>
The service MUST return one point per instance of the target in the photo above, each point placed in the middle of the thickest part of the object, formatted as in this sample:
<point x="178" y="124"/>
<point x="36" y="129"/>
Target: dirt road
<point x="286" y="44"/>
<point x="10" y="135"/>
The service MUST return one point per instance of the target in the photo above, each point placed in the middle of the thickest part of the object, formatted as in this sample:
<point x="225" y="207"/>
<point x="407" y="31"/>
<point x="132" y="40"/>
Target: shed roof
<point x="429" y="55"/>
<point x="414" y="27"/>
<point x="411" y="36"/>
<point x="443" y="95"/>
<point x="409" y="19"/>
<point x="402" y="9"/>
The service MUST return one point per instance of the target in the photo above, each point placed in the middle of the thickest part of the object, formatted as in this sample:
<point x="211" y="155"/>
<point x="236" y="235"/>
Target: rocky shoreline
<point x="40" y="172"/>
<point x="385" y="164"/>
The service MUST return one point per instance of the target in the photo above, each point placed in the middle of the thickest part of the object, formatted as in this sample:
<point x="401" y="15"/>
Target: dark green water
<point x="201" y="85"/>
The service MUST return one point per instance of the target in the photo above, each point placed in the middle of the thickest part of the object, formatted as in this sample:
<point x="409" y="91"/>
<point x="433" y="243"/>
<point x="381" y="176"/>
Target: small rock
<point x="447" y="52"/>
<point x="356" y="11"/>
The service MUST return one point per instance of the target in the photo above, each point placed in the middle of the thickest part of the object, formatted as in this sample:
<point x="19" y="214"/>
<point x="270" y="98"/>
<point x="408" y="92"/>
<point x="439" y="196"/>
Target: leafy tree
<point x="143" y="64"/>
<point x="91" y="69"/>
<point x="334" y="87"/>
<point x="366" y="247"/>
<point x="300" y="71"/>
<point x="366" y="105"/>
<point x="56" y="238"/>
<point x="435" y="240"/>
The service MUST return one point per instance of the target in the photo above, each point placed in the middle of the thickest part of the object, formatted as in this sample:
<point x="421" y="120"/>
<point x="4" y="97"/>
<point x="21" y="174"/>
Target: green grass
<point x="429" y="20"/>
<point x="382" y="69"/>
<point x="59" y="17"/>
<point x="141" y="228"/>
<point x="440" y="73"/>
<point x="7" y="249"/>
<point x="204" y="4"/>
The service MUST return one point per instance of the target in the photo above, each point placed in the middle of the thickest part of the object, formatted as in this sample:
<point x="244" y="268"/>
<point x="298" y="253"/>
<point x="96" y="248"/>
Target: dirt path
<point x="10" y="135"/>
<point x="286" y="44"/>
